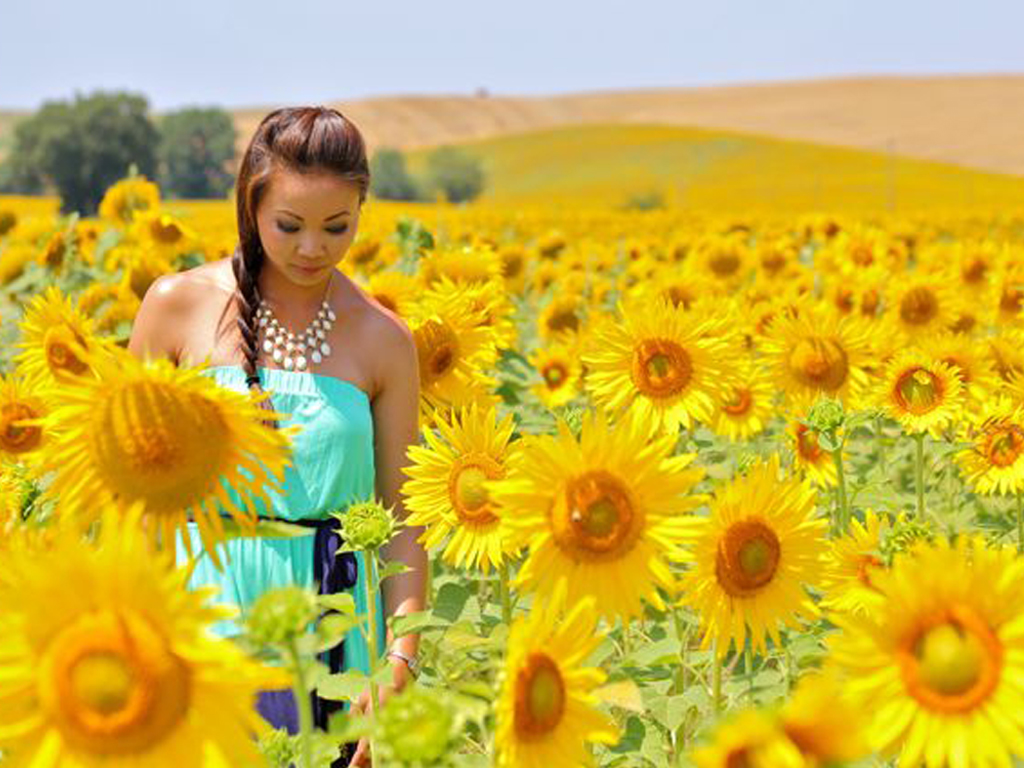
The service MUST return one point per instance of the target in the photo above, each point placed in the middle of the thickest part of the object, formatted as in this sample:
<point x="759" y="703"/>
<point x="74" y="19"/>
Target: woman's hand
<point x="400" y="676"/>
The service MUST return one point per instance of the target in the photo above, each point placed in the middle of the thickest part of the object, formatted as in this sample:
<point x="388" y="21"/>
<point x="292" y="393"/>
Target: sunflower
<point x="394" y="291"/>
<point x="746" y="410"/>
<point x="513" y="267"/>
<point x="24" y="433"/>
<point x="169" y="438"/>
<point x="968" y="359"/>
<point x="938" y="663"/>
<point x="752" y="557"/>
<point x="477" y="263"/>
<point x="127" y="197"/>
<point x="160" y="231"/>
<point x="749" y="739"/>
<point x="852" y="561"/>
<point x="821" y="724"/>
<point x="562" y="318"/>
<point x="667" y="365"/>
<point x="921" y="305"/>
<point x="560" y="372"/>
<point x="57" y="339"/>
<point x="605" y="512"/>
<point x="122" y="672"/>
<point x="446" y="488"/>
<point x="811" y="459"/>
<point x="487" y="299"/>
<point x="817" y="353"/>
<point x="546" y="709"/>
<point x="922" y="394"/>
<point x="994" y="463"/>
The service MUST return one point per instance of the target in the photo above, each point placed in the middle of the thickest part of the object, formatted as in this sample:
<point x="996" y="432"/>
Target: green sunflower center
<point x="918" y="391"/>
<point x="747" y="557"/>
<point x="661" y="368"/>
<point x="598" y="519"/>
<point x="919" y="306"/>
<point x="555" y="375"/>
<point x="950" y="659"/>
<point x="540" y="696"/>
<point x="819" y="363"/>
<point x="1005" y="445"/>
<point x="467" y="488"/>
<point x="739" y="403"/>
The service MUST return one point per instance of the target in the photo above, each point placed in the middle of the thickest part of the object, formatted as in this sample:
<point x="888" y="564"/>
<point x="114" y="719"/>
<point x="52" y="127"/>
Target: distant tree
<point x="389" y="178"/>
<point x="196" y="144"/>
<point x="456" y="173"/>
<point x="82" y="147"/>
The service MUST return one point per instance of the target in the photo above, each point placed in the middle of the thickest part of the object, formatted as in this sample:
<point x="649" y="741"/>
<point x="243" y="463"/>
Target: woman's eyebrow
<point x="332" y="216"/>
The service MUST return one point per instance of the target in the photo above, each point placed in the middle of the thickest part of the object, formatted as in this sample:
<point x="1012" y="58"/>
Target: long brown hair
<point x="303" y="139"/>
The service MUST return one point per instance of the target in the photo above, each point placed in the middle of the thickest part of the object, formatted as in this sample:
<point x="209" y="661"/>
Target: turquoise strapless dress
<point x="332" y="466"/>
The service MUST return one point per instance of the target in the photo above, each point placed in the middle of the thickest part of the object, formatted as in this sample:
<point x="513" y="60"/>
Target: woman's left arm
<point x="396" y="427"/>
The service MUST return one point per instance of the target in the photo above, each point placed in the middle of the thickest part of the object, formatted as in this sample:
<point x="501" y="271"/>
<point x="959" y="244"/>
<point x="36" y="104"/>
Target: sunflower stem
<point x="304" y="704"/>
<point x="716" y="678"/>
<point x="844" y="511"/>
<point x="372" y="589"/>
<point x="919" y="473"/>
<point x="748" y="664"/>
<point x="506" y="598"/>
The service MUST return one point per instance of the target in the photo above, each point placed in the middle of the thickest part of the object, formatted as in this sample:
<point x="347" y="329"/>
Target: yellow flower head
<point x="922" y="394"/>
<point x="128" y="196"/>
<point x="994" y="463"/>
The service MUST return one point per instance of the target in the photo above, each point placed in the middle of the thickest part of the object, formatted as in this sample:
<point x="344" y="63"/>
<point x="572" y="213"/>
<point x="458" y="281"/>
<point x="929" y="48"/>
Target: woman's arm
<point x="396" y="427"/>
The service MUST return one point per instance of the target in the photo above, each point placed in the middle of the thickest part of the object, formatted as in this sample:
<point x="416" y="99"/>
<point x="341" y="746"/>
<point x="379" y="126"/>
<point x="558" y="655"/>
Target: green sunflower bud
<point x="416" y="727"/>
<point x="367" y="525"/>
<point x="280" y="616"/>
<point x="826" y="416"/>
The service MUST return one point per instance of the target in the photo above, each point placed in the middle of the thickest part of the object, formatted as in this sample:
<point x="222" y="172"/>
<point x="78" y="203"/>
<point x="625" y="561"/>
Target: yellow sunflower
<point x="105" y="659"/>
<point x="24" y="433"/>
<point x="921" y="305"/>
<point x="487" y="299"/>
<point x="546" y="710"/>
<point x="822" y="724"/>
<point x="477" y="263"/>
<point x="749" y="739"/>
<point x="816" y="353"/>
<point x="562" y="318"/>
<point x="57" y="339"/>
<point x="394" y="291"/>
<point x="127" y="197"/>
<point x="746" y="410"/>
<point x="446" y="489"/>
<point x="922" y="394"/>
<point x="169" y="438"/>
<point x="852" y="561"/>
<point x="605" y="512"/>
<point x="668" y="366"/>
<point x="752" y="558"/>
<point x="560" y="372"/>
<point x="967" y="357"/>
<point x="995" y="461"/>
<point x="811" y="459"/>
<point x="937" y="664"/>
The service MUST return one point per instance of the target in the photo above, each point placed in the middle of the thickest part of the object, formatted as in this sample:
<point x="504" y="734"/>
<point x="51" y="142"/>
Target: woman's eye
<point x="338" y="231"/>
<point x="287" y="229"/>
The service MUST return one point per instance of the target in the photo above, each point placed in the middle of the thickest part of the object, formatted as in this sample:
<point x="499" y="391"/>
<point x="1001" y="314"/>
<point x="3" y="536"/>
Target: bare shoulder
<point x="386" y="337"/>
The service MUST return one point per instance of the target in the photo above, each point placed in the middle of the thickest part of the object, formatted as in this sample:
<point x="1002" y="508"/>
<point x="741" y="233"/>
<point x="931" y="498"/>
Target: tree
<point x="82" y="147"/>
<point x="196" y="145"/>
<point x="455" y="172"/>
<point x="389" y="179"/>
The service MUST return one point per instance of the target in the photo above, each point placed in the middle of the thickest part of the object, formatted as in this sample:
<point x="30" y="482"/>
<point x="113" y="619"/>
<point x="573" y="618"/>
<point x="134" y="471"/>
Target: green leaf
<point x="451" y="601"/>
<point x="270" y="529"/>
<point x="392" y="568"/>
<point x="339" y="601"/>
<point x="332" y="629"/>
<point x="664" y="651"/>
<point x="413" y="622"/>
<point x="343" y="686"/>
<point x="622" y="693"/>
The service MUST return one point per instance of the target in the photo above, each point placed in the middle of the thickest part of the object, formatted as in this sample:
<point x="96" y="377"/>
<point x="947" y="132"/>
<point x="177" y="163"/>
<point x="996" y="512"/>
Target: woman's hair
<point x="301" y="139"/>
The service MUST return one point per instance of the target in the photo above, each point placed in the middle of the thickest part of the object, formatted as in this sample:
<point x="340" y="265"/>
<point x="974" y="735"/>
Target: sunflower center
<point x="599" y="520"/>
<point x="15" y="438"/>
<point x="738" y="758"/>
<point x="1004" y="445"/>
<point x="739" y="403"/>
<point x="974" y="270"/>
<point x="112" y="684"/>
<point x="540" y="696"/>
<point x="467" y="489"/>
<point x="918" y="391"/>
<point x="681" y="296"/>
<point x="747" y="558"/>
<point x="807" y="444"/>
<point x="661" y="368"/>
<point x="919" y="307"/>
<point x="165" y="230"/>
<point x="438" y="350"/>
<point x="1011" y="300"/>
<point x="819" y="363"/>
<point x="564" y="320"/>
<point x="64" y="349"/>
<point x="154" y="442"/>
<point x="554" y="375"/>
<point x="953" y="663"/>
<point x="724" y="263"/>
<point x="865" y="565"/>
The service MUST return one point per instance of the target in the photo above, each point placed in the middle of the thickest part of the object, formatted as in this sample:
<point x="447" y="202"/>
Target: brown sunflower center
<point x="724" y="263"/>
<point x="112" y="684"/>
<point x="16" y="437"/>
<point x="165" y="230"/>
<point x="1011" y="300"/>
<point x="563" y="320"/>
<point x="438" y="350"/>
<point x="918" y="391"/>
<point x="974" y="270"/>
<point x="681" y="295"/>
<point x="65" y="350"/>
<point x="467" y="487"/>
<point x="867" y="563"/>
<point x="807" y="444"/>
<point x="747" y="558"/>
<point x="739" y="403"/>
<point x="953" y="663"/>
<point x="1004" y="445"/>
<point x="919" y="306"/>
<point x="819" y="363"/>
<point x="555" y="375"/>
<point x="597" y="518"/>
<point x="870" y="302"/>
<point x="540" y="696"/>
<point x="661" y="368"/>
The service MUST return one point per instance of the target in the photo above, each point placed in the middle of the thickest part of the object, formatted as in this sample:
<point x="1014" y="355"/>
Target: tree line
<point x="77" y="148"/>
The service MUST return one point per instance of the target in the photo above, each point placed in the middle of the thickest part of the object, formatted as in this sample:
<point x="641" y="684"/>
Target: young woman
<point x="277" y="315"/>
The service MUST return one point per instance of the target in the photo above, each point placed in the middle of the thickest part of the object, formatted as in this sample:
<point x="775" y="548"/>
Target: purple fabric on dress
<point x="333" y="572"/>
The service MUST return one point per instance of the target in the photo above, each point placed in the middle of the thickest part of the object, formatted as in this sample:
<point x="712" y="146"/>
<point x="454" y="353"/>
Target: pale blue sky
<point x="259" y="52"/>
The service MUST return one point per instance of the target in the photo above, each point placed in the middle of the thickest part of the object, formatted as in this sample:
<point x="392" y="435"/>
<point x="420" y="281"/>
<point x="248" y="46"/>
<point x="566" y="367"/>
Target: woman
<point x="277" y="315"/>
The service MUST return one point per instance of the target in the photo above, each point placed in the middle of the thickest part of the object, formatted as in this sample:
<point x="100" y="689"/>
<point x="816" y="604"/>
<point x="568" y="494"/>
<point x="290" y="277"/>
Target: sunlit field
<point x="721" y="466"/>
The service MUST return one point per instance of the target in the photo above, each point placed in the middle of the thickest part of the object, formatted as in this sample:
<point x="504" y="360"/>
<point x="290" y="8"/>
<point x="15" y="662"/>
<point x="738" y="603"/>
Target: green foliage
<point x="390" y="179"/>
<point x="82" y="147"/>
<point x="456" y="173"/>
<point x="196" y="144"/>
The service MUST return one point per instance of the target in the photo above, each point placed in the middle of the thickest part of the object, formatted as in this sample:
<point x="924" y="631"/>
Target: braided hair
<point x="302" y="139"/>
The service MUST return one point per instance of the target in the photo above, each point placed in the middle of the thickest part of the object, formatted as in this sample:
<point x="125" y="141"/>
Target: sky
<point x="237" y="53"/>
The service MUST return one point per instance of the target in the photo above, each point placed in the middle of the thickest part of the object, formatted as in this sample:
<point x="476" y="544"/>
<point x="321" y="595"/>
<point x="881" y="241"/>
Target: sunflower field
<point x="711" y="490"/>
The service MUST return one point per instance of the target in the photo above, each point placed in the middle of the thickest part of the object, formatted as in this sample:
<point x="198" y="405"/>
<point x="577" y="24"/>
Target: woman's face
<point x="306" y="223"/>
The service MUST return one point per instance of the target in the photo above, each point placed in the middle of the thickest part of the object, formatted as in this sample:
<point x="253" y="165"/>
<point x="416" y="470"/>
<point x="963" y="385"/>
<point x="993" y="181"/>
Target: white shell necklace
<point x="296" y="352"/>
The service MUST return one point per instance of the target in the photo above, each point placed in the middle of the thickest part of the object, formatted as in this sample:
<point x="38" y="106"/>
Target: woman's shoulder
<point x="383" y="334"/>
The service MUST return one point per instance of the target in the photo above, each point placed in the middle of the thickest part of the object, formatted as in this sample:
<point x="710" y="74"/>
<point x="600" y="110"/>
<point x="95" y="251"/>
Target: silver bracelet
<point x="411" y="663"/>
